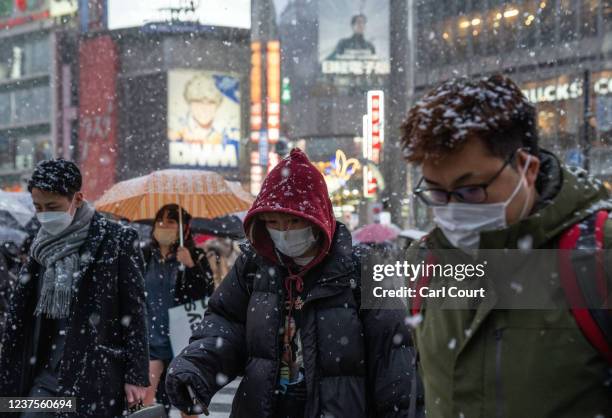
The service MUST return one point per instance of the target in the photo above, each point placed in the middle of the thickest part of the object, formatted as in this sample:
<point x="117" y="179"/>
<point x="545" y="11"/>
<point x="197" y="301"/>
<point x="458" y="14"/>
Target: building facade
<point x="163" y="88"/>
<point x="558" y="51"/>
<point x="333" y="53"/>
<point x="36" y="95"/>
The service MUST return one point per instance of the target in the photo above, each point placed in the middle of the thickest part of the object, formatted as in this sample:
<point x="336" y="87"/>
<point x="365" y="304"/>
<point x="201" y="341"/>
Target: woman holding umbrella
<point x="175" y="274"/>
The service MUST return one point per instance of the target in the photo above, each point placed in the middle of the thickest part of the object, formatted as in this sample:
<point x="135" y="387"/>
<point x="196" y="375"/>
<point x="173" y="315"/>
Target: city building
<point x="164" y="88"/>
<point x="551" y="48"/>
<point x="332" y="53"/>
<point x="37" y="71"/>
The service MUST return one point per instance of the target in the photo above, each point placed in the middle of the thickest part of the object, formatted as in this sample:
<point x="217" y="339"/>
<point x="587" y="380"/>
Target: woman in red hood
<point x="288" y="318"/>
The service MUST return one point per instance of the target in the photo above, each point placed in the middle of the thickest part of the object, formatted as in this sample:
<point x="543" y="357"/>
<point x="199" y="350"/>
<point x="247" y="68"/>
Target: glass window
<point x="560" y="109"/>
<point x="588" y="18"/>
<point x="478" y="34"/>
<point x="6" y="8"/>
<point x="567" y="20"/>
<point x="546" y="20"/>
<point x="464" y="32"/>
<point x="5" y="108"/>
<point x="527" y="22"/>
<point x="24" y="57"/>
<point x="493" y="22"/>
<point x="510" y="20"/>
<point x="601" y="106"/>
<point x="31" y="105"/>
<point x="423" y="31"/>
<point x="23" y="152"/>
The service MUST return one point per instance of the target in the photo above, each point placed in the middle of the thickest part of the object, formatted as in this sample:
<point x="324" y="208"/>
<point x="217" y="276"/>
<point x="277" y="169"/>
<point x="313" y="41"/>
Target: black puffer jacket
<point x="358" y="363"/>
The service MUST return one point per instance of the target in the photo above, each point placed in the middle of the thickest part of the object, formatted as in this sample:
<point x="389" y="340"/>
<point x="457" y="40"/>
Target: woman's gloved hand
<point x="186" y="392"/>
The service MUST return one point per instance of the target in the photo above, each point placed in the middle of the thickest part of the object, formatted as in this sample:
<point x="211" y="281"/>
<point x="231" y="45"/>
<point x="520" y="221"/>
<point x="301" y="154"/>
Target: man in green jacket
<point x="490" y="186"/>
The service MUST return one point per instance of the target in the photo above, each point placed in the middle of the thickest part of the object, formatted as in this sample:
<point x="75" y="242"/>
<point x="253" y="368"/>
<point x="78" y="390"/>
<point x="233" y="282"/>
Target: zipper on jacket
<point x="498" y="374"/>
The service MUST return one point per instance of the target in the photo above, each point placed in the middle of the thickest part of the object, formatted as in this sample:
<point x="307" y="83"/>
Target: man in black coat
<point x="76" y="325"/>
<point x="288" y="318"/>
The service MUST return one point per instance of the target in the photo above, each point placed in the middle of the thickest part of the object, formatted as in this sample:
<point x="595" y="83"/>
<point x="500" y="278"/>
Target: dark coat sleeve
<point x="217" y="347"/>
<point x="133" y="309"/>
<point x="5" y="288"/>
<point x="195" y="283"/>
<point x="390" y="355"/>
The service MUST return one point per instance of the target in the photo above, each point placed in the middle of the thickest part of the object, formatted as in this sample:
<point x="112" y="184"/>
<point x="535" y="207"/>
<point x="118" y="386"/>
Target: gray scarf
<point x="59" y="255"/>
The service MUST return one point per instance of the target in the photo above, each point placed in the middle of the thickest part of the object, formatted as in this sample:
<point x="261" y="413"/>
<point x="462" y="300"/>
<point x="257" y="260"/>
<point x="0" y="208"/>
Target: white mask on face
<point x="462" y="223"/>
<point x="294" y="242"/>
<point x="57" y="221"/>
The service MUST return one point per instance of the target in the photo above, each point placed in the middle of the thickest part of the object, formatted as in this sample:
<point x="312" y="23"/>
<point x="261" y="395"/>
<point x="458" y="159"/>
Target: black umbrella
<point x="229" y="226"/>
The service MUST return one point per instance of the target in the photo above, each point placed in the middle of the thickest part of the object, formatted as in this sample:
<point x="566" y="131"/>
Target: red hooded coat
<point x="356" y="362"/>
<point x="295" y="187"/>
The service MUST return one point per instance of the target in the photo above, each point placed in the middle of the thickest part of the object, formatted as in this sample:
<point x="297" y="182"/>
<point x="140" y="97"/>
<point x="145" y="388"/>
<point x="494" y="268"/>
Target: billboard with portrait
<point x="354" y="37"/>
<point x="203" y="119"/>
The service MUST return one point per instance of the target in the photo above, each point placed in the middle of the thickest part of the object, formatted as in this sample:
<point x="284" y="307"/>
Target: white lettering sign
<point x="203" y="155"/>
<point x="603" y="86"/>
<point x="553" y="93"/>
<point x="355" y="67"/>
<point x="566" y="91"/>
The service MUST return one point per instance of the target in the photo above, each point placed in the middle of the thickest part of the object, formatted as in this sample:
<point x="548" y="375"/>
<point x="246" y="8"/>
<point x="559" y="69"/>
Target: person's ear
<point x="78" y="199"/>
<point x="533" y="170"/>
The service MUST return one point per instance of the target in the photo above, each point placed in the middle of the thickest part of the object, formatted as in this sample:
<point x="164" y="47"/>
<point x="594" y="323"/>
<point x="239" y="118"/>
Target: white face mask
<point x="55" y="222"/>
<point x="462" y="223"/>
<point x="294" y="242"/>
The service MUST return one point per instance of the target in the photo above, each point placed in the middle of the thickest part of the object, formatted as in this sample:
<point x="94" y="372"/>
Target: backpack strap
<point x="583" y="279"/>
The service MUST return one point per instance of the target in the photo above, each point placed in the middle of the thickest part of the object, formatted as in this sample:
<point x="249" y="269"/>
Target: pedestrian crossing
<point x="220" y="405"/>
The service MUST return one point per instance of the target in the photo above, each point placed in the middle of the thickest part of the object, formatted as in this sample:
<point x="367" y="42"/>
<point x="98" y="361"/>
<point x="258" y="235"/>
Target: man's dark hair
<point x="492" y="109"/>
<point x="57" y="176"/>
<point x="354" y="19"/>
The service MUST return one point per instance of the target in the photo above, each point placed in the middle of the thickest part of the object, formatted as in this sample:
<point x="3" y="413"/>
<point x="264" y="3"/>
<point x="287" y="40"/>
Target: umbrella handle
<point x="181" y="238"/>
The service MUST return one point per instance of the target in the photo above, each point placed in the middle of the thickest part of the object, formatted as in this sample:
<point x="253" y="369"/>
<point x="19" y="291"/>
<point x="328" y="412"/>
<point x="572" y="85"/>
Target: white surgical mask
<point x="462" y="223"/>
<point x="57" y="221"/>
<point x="294" y="242"/>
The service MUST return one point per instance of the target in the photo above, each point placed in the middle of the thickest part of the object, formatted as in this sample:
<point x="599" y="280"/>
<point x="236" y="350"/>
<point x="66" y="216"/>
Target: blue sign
<point x="263" y="148"/>
<point x="574" y="157"/>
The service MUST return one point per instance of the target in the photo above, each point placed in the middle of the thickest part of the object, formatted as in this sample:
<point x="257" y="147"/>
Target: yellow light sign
<point x="339" y="171"/>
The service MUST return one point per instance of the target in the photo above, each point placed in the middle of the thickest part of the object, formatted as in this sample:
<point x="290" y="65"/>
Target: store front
<point x="562" y="117"/>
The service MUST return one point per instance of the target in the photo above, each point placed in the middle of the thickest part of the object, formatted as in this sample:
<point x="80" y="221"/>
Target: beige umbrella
<point x="204" y="194"/>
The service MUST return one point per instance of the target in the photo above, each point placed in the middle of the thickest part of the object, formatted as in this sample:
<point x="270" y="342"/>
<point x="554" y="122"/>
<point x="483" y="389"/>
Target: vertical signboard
<point x="376" y="117"/>
<point x="256" y="97"/>
<point x="373" y="139"/>
<point x="273" y="90"/>
<point x="98" y="66"/>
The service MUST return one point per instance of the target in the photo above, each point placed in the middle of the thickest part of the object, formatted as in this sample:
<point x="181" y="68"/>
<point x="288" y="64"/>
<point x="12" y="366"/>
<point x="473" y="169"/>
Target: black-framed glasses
<point x="471" y="193"/>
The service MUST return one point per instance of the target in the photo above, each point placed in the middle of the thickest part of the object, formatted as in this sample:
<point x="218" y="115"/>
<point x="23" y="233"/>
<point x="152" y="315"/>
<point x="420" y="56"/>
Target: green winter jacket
<point x="488" y="363"/>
